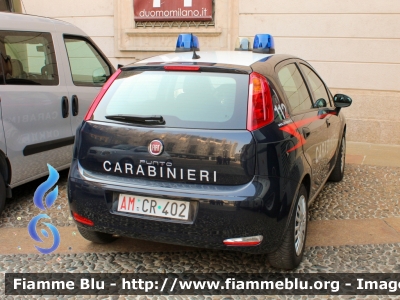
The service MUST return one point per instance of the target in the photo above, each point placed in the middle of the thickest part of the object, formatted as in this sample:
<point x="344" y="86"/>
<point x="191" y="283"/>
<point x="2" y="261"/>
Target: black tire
<point x="290" y="254"/>
<point x="338" y="170"/>
<point x="2" y="193"/>
<point x="96" y="237"/>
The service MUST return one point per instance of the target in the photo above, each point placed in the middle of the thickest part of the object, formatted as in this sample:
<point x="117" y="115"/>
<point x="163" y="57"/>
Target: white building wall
<point x="354" y="45"/>
<point x="96" y="18"/>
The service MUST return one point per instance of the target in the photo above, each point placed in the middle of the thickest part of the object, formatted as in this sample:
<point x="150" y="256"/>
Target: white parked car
<point x="50" y="72"/>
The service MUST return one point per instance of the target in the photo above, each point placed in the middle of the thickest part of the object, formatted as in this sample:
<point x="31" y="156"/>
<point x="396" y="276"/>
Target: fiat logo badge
<point x="156" y="147"/>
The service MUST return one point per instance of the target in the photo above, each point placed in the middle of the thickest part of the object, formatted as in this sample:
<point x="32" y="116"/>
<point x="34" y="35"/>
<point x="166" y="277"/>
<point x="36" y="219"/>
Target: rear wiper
<point x="148" y="120"/>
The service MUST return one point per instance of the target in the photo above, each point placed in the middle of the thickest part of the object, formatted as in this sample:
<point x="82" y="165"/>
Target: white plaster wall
<point x="96" y="18"/>
<point x="354" y="45"/>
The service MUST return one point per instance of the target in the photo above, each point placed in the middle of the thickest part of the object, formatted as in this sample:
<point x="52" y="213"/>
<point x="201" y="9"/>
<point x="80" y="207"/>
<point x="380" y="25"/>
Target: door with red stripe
<point x="327" y="112"/>
<point x="309" y="125"/>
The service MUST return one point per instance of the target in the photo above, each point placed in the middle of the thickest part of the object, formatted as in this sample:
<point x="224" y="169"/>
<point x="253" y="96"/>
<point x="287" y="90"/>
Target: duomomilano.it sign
<point x="176" y="10"/>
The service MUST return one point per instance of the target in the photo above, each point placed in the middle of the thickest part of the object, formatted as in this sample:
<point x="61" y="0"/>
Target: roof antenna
<point x="195" y="56"/>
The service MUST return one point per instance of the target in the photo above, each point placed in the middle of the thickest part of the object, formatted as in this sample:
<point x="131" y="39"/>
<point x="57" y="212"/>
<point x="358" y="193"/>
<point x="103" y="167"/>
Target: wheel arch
<point x="5" y="168"/>
<point x="306" y="181"/>
<point x="307" y="184"/>
<point x="5" y="171"/>
<point x="343" y="134"/>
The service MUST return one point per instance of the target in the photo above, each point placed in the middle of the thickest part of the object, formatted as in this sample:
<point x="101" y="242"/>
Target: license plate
<point x="153" y="207"/>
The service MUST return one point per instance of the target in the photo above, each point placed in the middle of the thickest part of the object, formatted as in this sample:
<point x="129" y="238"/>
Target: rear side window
<point x="28" y="58"/>
<point x="294" y="88"/>
<point x="316" y="84"/>
<point x="88" y="67"/>
<point x="184" y="99"/>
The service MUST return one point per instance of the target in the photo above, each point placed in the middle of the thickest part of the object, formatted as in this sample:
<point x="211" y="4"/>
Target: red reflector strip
<point x="245" y="241"/>
<point x="82" y="220"/>
<point x="100" y="95"/>
<point x="242" y="244"/>
<point x="181" y="68"/>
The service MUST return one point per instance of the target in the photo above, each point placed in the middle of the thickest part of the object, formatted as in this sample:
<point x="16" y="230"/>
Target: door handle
<point x="306" y="132"/>
<point x="75" y="105"/>
<point x="328" y="123"/>
<point x="64" y="107"/>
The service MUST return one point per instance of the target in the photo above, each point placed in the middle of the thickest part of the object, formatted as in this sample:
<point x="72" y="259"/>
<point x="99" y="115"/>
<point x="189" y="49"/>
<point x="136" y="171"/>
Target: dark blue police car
<point x="223" y="150"/>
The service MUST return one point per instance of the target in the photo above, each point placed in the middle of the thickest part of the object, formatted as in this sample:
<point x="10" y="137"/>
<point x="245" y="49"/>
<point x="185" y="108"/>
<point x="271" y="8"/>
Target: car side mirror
<point x="321" y="102"/>
<point x="341" y="100"/>
<point x="99" y="76"/>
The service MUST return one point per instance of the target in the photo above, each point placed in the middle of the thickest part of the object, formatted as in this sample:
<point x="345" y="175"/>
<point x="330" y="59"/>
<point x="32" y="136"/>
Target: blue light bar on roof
<point x="243" y="44"/>
<point x="187" y="42"/>
<point x="264" y="43"/>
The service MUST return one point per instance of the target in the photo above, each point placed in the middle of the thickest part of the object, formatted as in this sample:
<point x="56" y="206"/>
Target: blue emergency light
<point x="264" y="43"/>
<point x="187" y="42"/>
<point x="243" y="44"/>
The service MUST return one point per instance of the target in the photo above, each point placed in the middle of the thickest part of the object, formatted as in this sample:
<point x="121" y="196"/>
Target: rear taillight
<point x="260" y="109"/>
<point x="100" y="95"/>
<point x="182" y="68"/>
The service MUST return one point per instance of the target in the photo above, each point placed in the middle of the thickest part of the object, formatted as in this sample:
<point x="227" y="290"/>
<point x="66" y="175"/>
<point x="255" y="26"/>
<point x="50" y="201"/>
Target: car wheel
<point x="290" y="253"/>
<point x="96" y="237"/>
<point x="338" y="170"/>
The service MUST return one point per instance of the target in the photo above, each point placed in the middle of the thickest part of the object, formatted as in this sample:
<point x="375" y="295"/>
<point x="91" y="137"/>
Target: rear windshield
<point x="183" y="99"/>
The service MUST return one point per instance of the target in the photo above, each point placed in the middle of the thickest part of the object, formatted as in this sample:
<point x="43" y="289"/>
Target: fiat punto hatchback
<point x="222" y="150"/>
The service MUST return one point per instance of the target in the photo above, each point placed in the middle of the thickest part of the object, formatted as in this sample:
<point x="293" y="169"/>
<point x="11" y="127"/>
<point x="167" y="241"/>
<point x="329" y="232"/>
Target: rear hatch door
<point x="172" y="126"/>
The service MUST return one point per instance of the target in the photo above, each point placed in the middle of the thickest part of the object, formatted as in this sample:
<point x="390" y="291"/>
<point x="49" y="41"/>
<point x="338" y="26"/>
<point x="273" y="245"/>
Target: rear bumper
<point x="260" y="207"/>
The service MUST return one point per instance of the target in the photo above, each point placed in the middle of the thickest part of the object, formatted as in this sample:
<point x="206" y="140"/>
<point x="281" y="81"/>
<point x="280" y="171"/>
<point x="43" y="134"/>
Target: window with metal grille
<point x="211" y="150"/>
<point x="193" y="149"/>
<point x="170" y="147"/>
<point x="5" y="5"/>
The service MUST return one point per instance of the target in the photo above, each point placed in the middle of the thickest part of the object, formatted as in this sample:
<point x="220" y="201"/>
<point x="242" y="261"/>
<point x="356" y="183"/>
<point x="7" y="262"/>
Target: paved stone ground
<point x="331" y="259"/>
<point x="366" y="192"/>
<point x="20" y="209"/>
